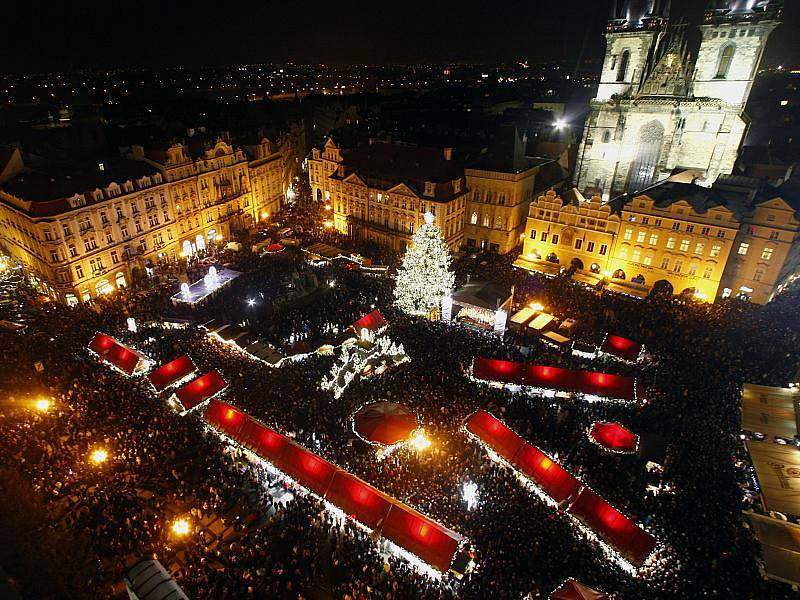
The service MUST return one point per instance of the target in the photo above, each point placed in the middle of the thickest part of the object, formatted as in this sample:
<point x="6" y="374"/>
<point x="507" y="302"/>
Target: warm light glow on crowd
<point x="99" y="456"/>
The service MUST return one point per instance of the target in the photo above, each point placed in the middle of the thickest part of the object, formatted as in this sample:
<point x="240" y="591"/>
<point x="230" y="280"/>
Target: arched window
<point x="498" y="222"/>
<point x="622" y="68"/>
<point x="725" y="61"/>
<point x="486" y="220"/>
<point x="606" y="136"/>
<point x="474" y="218"/>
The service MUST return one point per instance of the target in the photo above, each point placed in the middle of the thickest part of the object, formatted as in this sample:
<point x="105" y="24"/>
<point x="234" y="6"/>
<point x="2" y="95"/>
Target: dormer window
<point x="429" y="188"/>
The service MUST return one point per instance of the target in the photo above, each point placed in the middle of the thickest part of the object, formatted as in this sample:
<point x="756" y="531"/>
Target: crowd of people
<point x="279" y="542"/>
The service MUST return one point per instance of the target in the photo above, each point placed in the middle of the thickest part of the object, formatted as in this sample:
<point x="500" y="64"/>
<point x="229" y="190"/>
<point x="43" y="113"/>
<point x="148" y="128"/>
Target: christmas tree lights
<point x="425" y="278"/>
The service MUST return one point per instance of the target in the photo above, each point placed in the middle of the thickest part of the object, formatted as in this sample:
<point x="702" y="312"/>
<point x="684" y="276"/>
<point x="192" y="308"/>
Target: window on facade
<point x="653" y="239"/>
<point x="640" y="236"/>
<point x="758" y="275"/>
<point x="622" y="67"/>
<point x="676" y="268"/>
<point x="684" y="245"/>
<point x="708" y="272"/>
<point x="645" y="220"/>
<point x="766" y="254"/>
<point x="700" y="248"/>
<point x="628" y="234"/>
<point x="721" y="233"/>
<point x="632" y="218"/>
<point x="544" y="236"/>
<point x="648" y="260"/>
<point x="606" y="136"/>
<point x="73" y="252"/>
<point x="689" y="228"/>
<point x="658" y="222"/>
<point x="665" y="263"/>
<point x="603" y="249"/>
<point x="79" y="271"/>
<point x="498" y="222"/>
<point x="774" y="235"/>
<point x="485" y="220"/>
<point x="53" y="256"/>
<point x="725" y="60"/>
<point x="623" y="253"/>
<point x="705" y="231"/>
<point x="532" y="235"/>
<point x="474" y="218"/>
<point x="676" y="226"/>
<point x="743" y="248"/>
<point x="590" y="247"/>
<point x="578" y="244"/>
<point x="114" y="257"/>
<point x="636" y="255"/>
<point x="693" y="270"/>
<point x="138" y="227"/>
<point x="715" y="250"/>
<point x="555" y="238"/>
<point x="671" y="243"/>
<point x="109" y="238"/>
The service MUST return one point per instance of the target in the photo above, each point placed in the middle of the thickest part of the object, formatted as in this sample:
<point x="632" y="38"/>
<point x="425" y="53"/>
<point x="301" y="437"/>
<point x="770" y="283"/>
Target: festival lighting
<point x="537" y="307"/>
<point x="469" y="493"/>
<point x="419" y="442"/>
<point x="180" y="527"/>
<point x="251" y="302"/>
<point x="42" y="405"/>
<point x="328" y="224"/>
<point x="99" y="456"/>
<point x="560" y="124"/>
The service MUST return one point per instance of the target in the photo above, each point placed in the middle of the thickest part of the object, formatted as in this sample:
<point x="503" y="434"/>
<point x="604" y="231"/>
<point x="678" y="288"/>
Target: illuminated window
<point x="636" y="255"/>
<point x="766" y="254"/>
<point x="684" y="245"/>
<point x="640" y="236"/>
<point x="623" y="253"/>
<point x="474" y="218"/>
<point x="700" y="248"/>
<point x="671" y="243"/>
<point x="743" y="248"/>
<point x="653" y="239"/>
<point x="628" y="234"/>
<point x="715" y="250"/>
<point x="648" y="260"/>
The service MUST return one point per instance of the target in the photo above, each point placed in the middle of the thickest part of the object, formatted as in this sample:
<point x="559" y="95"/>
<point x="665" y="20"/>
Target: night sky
<point x="39" y="35"/>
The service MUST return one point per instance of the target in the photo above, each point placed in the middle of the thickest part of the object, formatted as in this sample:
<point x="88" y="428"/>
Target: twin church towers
<point x="663" y="103"/>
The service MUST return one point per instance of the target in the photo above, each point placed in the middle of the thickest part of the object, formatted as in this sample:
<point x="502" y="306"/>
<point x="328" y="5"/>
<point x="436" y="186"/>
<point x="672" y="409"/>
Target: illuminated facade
<point x="566" y="232"/>
<point x="88" y="233"/>
<point x="658" y="108"/>
<point x="380" y="192"/>
<point x="740" y="237"/>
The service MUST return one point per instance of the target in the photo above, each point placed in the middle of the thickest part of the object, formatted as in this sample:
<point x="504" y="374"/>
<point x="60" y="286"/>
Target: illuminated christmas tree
<point x="425" y="277"/>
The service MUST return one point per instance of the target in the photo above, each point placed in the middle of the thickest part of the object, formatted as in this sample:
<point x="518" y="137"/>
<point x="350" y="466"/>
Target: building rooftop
<point x="506" y="154"/>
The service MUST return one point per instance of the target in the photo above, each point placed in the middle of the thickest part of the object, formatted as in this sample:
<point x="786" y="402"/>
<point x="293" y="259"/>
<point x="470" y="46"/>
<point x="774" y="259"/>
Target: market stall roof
<point x="384" y="423"/>
<point x="171" y="372"/>
<point x="780" y="547"/>
<point x="614" y="437"/>
<point x="628" y="290"/>
<point x="372" y="322"/>
<point x="772" y="411"/>
<point x="574" y="590"/>
<point x="115" y="353"/>
<point x="432" y="542"/>
<point x="538" y="266"/>
<point x="602" y="385"/>
<point x="621" y="347"/>
<point x="545" y="472"/>
<point x="523" y="316"/>
<point x="275" y="248"/>
<point x="555" y="338"/>
<point x="541" y="321"/>
<point x="775" y="466"/>
<point x="201" y="389"/>
<point x="617" y="530"/>
<point x="149" y="580"/>
<point x="482" y="294"/>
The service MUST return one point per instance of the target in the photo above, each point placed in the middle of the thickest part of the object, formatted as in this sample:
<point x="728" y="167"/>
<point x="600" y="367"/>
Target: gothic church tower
<point x="662" y="105"/>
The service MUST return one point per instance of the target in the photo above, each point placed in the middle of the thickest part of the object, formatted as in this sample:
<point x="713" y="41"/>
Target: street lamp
<point x="42" y="405"/>
<point x="180" y="527"/>
<point x="99" y="456"/>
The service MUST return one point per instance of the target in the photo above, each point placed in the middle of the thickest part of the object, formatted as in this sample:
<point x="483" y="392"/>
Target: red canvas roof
<point x="614" y="436"/>
<point x="308" y="469"/>
<point x="115" y="353"/>
<point x="574" y="590"/>
<point x="621" y="347"/>
<point x="495" y="433"/>
<point x="625" y="536"/>
<point x="201" y="389"/>
<point x="366" y="504"/>
<point x="433" y="543"/>
<point x="384" y="423"/>
<point x="551" y="477"/>
<point x="555" y="378"/>
<point x="173" y="371"/>
<point x="402" y="525"/>
<point x="372" y="322"/>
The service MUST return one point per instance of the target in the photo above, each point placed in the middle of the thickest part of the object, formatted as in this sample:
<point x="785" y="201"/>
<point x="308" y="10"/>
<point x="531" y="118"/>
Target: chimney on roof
<point x="448" y="154"/>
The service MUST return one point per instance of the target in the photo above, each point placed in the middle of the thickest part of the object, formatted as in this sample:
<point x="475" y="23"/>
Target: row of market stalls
<point x="770" y="422"/>
<point x="562" y="489"/>
<point x="589" y="385"/>
<point x="387" y="517"/>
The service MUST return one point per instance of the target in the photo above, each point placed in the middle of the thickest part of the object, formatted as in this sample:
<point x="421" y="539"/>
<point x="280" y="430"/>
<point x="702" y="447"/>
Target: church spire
<point x="743" y="10"/>
<point x="631" y="15"/>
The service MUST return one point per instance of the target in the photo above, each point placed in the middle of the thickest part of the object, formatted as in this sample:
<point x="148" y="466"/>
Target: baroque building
<point x="664" y="105"/>
<point x="86" y="229"/>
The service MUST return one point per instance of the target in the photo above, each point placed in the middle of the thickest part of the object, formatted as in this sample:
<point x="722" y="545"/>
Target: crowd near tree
<point x="72" y="526"/>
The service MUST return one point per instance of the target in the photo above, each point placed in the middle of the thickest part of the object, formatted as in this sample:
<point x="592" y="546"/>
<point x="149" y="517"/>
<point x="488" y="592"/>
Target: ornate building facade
<point x="380" y="192"/>
<point x="84" y="232"/>
<point x="662" y="105"/>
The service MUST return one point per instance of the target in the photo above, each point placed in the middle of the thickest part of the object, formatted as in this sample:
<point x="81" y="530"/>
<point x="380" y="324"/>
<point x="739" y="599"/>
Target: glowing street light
<point x="180" y="527"/>
<point x="469" y="492"/>
<point x="420" y="442"/>
<point x="42" y="405"/>
<point x="560" y="124"/>
<point x="99" y="456"/>
<point x="537" y="307"/>
<point x="251" y="302"/>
